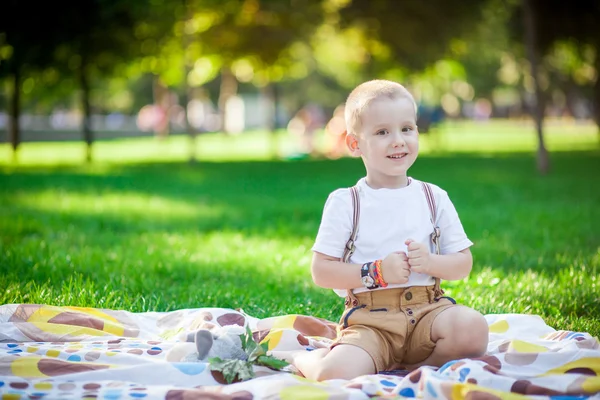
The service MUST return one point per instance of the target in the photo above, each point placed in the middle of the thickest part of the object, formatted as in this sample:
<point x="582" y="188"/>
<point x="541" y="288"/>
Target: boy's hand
<point x="395" y="268"/>
<point x="418" y="256"/>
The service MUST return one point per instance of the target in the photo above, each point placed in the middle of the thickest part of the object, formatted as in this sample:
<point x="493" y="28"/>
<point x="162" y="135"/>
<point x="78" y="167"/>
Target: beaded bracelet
<point x="378" y="275"/>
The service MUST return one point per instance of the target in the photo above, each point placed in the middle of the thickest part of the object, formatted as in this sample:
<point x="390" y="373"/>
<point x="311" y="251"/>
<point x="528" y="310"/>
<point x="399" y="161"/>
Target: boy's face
<point x="388" y="141"/>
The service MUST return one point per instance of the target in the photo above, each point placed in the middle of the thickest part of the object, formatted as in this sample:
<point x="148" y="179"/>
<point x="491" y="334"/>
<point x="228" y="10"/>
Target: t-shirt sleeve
<point x="336" y="224"/>
<point x="453" y="236"/>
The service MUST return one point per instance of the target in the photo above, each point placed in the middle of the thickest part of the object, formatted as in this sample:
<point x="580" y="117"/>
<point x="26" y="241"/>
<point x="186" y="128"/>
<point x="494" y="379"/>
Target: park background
<point x="157" y="155"/>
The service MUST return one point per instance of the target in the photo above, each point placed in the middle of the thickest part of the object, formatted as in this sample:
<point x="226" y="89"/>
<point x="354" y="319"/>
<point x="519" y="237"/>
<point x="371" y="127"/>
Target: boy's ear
<point x="352" y="143"/>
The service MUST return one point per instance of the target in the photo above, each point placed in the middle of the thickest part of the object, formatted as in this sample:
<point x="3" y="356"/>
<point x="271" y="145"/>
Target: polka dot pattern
<point x="99" y="357"/>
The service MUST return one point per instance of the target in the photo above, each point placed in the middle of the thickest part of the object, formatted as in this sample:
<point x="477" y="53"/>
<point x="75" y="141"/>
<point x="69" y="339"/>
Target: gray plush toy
<point x="202" y="345"/>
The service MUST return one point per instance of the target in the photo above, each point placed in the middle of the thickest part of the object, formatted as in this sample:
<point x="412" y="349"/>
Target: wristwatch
<point x="366" y="278"/>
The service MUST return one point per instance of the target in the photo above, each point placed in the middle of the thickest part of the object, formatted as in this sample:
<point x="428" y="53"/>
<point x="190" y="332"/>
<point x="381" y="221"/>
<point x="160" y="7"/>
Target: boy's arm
<point x="329" y="272"/>
<point x="449" y="267"/>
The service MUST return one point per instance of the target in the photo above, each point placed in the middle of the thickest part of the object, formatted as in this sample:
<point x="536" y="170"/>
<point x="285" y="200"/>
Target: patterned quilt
<point x="70" y="352"/>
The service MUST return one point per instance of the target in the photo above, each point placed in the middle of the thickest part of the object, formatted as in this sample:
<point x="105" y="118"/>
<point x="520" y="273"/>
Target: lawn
<point x="143" y="230"/>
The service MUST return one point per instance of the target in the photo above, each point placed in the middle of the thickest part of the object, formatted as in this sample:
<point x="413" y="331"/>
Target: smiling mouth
<point x="397" y="156"/>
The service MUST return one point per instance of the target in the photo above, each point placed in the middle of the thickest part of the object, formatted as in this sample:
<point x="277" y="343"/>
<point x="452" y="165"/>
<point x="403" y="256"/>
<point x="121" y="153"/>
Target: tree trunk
<point x="86" y="125"/>
<point x="15" y="112"/>
<point x="597" y="91"/>
<point x="187" y="90"/>
<point x="227" y="90"/>
<point x="529" y="21"/>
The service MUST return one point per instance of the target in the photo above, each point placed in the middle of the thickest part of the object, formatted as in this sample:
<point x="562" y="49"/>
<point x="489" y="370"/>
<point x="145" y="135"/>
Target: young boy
<point x="395" y="316"/>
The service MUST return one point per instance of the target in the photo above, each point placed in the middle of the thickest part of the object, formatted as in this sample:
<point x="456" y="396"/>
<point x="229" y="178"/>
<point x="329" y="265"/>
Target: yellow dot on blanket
<point x="273" y="338"/>
<point x="303" y="392"/>
<point x="27" y="367"/>
<point x="499" y="326"/>
<point x="43" y="386"/>
<point x="591" y="385"/>
<point x="284" y="322"/>
<point x="53" y="353"/>
<point x="11" y="396"/>
<point x="32" y="349"/>
<point x="526" y="347"/>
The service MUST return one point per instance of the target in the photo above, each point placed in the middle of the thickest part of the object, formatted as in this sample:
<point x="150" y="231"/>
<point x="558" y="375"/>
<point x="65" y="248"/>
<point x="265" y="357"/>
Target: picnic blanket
<point x="72" y="352"/>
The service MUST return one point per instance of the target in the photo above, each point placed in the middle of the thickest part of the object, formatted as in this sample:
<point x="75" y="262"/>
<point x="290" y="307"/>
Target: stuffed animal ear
<point x="204" y="342"/>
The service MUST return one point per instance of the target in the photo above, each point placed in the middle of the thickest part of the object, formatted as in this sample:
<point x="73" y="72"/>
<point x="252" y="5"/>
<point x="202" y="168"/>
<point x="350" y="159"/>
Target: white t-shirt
<point x="387" y="218"/>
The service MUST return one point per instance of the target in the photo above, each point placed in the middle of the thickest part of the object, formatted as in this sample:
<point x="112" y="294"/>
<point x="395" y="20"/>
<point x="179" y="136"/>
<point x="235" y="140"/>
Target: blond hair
<point x="365" y="93"/>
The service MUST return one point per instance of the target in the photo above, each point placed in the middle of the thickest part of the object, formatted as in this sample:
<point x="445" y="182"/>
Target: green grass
<point x="142" y="230"/>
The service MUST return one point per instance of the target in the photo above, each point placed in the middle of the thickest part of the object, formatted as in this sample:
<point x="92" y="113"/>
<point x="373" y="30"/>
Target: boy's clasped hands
<point x="397" y="266"/>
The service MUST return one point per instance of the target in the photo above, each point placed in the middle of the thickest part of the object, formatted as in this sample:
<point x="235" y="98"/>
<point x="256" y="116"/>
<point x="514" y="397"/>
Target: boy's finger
<point x="408" y="241"/>
<point x="413" y="245"/>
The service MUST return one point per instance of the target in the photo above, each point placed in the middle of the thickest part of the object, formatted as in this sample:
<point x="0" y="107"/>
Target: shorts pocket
<point x="348" y="313"/>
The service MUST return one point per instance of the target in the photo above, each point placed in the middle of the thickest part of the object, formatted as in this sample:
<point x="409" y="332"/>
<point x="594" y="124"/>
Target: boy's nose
<point x="398" y="140"/>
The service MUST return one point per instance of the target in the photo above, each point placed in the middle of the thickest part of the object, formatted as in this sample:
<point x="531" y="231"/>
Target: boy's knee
<point x="474" y="334"/>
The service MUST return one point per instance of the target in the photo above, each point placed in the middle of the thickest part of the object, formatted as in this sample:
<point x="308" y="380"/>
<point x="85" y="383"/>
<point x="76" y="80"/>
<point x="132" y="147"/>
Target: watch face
<point x="368" y="281"/>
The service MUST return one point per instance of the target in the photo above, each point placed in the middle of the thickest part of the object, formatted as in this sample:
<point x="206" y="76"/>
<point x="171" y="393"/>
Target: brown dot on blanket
<point x="258" y="336"/>
<point x="520" y="359"/>
<point x="53" y="367"/>
<point x="195" y="394"/>
<point x="91" y="386"/>
<point x="526" y="387"/>
<point x="503" y="348"/>
<point x="472" y="381"/>
<point x="19" y="385"/>
<point x="218" y="376"/>
<point x="231" y="319"/>
<point x="490" y="361"/>
<point x="302" y="340"/>
<point x="312" y="326"/>
<point x="92" y="356"/>
<point x="582" y="371"/>
<point x="135" y="351"/>
<point x="415" y="376"/>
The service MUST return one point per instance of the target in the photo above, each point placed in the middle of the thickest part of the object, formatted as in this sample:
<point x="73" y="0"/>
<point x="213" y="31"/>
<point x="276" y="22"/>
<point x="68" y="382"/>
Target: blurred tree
<point x="99" y="38"/>
<point x="24" y="49"/>
<point x="257" y="41"/>
<point x="574" y="20"/>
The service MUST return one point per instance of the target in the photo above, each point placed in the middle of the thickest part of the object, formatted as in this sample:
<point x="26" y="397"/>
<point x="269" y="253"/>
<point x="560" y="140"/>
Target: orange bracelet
<point x="378" y="275"/>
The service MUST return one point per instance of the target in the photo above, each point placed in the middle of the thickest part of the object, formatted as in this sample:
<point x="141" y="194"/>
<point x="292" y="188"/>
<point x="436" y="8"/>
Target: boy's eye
<point x="382" y="132"/>
<point x="407" y="129"/>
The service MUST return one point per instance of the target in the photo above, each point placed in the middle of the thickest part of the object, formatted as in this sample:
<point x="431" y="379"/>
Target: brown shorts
<point x="392" y="325"/>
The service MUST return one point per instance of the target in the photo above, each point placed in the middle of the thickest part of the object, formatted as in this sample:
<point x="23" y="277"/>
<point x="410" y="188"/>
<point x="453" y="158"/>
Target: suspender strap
<point x="435" y="235"/>
<point x="350" y="247"/>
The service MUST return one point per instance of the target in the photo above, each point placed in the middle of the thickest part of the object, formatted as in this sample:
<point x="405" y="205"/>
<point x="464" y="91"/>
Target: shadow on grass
<point x="536" y="238"/>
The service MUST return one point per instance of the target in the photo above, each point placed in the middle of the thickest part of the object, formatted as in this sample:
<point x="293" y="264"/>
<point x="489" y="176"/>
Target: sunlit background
<point x="161" y="154"/>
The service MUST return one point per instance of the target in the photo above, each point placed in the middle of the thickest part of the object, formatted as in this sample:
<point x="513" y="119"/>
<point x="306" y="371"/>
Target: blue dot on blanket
<point x="431" y="390"/>
<point x="463" y="374"/>
<point x="1" y="383"/>
<point x="447" y="365"/>
<point x="15" y="351"/>
<point x="11" y="345"/>
<point x="407" y="392"/>
<point x="387" y="383"/>
<point x="190" y="368"/>
<point x="74" y="357"/>
<point x="138" y="395"/>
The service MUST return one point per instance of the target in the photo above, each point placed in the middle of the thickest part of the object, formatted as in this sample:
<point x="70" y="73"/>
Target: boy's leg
<point x="344" y="361"/>
<point x="458" y="332"/>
